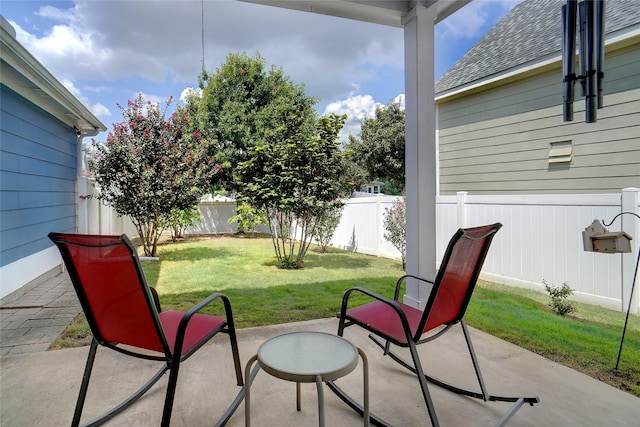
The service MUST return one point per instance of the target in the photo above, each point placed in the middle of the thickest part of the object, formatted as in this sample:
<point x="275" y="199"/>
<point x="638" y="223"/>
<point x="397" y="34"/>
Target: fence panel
<point x="541" y="238"/>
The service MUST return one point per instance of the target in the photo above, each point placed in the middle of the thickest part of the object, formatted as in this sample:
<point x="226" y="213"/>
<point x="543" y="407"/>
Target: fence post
<point x="83" y="204"/>
<point x="630" y="225"/>
<point x="461" y="208"/>
<point x="379" y="225"/>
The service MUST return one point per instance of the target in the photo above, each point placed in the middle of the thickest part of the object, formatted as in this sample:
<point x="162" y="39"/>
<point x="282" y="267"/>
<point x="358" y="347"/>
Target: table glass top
<point x="308" y="353"/>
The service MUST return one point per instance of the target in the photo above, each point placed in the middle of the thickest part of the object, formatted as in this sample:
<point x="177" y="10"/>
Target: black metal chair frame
<point x="172" y="358"/>
<point x="415" y="339"/>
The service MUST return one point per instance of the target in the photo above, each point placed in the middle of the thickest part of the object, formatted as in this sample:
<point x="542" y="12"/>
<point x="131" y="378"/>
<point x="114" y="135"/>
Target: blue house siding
<point x="38" y="164"/>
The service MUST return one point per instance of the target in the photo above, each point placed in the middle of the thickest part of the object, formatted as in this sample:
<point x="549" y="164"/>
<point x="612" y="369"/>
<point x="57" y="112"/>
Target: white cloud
<point x="472" y="20"/>
<point x="105" y="40"/>
<point x="357" y="108"/>
<point x="100" y="110"/>
<point x="97" y="109"/>
<point x="465" y="23"/>
<point x="189" y="91"/>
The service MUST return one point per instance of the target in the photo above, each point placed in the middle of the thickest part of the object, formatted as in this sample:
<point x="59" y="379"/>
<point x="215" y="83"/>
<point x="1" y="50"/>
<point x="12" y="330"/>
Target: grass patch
<point x="263" y="294"/>
<point x="76" y="334"/>
<point x="587" y="341"/>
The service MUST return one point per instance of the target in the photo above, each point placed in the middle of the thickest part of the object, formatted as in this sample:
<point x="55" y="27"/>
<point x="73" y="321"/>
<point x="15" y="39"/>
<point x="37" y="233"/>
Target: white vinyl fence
<point x="541" y="237"/>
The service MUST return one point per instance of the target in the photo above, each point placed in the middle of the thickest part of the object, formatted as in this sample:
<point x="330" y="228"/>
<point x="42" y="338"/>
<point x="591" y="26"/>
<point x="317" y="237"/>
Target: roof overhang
<point x="628" y="36"/>
<point x="23" y="74"/>
<point x="385" y="12"/>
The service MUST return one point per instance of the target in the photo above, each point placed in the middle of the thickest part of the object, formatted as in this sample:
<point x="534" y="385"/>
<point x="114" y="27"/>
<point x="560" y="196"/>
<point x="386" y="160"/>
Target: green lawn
<point x="261" y="294"/>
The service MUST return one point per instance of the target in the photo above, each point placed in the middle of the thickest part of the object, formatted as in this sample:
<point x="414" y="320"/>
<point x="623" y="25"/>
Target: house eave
<point x="614" y="41"/>
<point x="384" y="12"/>
<point x="25" y="75"/>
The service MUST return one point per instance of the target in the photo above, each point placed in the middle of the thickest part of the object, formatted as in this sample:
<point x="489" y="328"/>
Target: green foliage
<point x="558" y="298"/>
<point x="277" y="155"/>
<point x="380" y="151"/>
<point x="180" y="219"/>
<point x="295" y="179"/>
<point x="395" y="227"/>
<point x="248" y="218"/>
<point x="151" y="165"/>
<point x="244" y="104"/>
<point x="325" y="225"/>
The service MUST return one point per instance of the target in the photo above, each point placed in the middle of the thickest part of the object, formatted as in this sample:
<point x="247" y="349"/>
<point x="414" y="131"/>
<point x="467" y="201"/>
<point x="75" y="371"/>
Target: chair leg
<point x="116" y="410"/>
<point x="171" y="391"/>
<point x="236" y="355"/>
<point x="484" y="395"/>
<point x="474" y="360"/>
<point x="85" y="383"/>
<point x="422" y="379"/>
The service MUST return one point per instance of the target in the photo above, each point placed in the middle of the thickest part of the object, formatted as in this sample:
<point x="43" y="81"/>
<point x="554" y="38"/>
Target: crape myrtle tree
<point x="295" y="177"/>
<point x="380" y="150"/>
<point x="276" y="154"/>
<point x="152" y="166"/>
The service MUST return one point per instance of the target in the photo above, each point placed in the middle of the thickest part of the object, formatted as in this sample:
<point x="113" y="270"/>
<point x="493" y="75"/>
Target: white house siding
<point x="496" y="139"/>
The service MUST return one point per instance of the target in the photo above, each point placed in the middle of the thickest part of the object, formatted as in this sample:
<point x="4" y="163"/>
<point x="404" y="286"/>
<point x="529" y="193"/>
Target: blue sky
<point x="107" y="51"/>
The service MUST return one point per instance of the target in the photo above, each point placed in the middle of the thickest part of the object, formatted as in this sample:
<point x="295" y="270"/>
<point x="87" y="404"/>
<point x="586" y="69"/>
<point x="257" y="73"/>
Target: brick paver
<point x="30" y="322"/>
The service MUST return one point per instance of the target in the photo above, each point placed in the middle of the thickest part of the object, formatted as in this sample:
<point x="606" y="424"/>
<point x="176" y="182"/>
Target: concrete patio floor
<point x="41" y="388"/>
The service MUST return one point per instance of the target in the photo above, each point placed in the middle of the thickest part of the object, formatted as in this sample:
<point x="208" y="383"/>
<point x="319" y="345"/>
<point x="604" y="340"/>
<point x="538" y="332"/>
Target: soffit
<point x="384" y="12"/>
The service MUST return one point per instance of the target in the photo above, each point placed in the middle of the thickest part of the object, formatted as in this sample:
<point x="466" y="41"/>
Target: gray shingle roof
<point x="530" y="31"/>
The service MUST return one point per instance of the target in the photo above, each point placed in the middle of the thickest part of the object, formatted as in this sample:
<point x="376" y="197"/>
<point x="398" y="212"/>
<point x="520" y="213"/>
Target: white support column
<point x="420" y="166"/>
<point x="631" y="226"/>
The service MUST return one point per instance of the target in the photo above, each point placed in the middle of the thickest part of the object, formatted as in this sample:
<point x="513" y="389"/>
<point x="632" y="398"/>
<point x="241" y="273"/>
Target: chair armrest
<point x="186" y="318"/>
<point x="388" y="301"/>
<point x="402" y="279"/>
<point x="156" y="299"/>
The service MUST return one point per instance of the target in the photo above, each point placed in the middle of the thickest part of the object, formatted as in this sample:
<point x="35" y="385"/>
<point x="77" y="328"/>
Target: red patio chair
<point x="124" y="314"/>
<point x="405" y="326"/>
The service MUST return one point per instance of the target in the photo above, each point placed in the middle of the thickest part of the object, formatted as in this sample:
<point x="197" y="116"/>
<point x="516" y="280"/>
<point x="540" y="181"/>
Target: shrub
<point x="326" y="224"/>
<point x="180" y="219"/>
<point x="395" y="228"/>
<point x="558" y="298"/>
<point x="248" y="218"/>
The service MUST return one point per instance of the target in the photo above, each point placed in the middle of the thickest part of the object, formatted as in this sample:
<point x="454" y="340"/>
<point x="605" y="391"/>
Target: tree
<point x="296" y="177"/>
<point x="380" y="151"/>
<point x="240" y="105"/>
<point x="150" y="166"/>
<point x="276" y="154"/>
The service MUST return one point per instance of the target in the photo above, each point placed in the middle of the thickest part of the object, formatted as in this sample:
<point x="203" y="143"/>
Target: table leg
<point x="365" y="380"/>
<point x="320" y="401"/>
<point x="298" y="398"/>
<point x="247" y="392"/>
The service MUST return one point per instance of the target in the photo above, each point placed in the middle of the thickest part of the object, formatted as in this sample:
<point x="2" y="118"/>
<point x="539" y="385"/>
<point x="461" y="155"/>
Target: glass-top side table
<point x="307" y="357"/>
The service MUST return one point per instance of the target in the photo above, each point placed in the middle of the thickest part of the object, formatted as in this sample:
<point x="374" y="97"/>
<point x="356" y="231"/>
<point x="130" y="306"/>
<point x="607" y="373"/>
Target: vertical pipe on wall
<point x="599" y="39"/>
<point x="590" y="64"/>
<point x="569" y="12"/>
